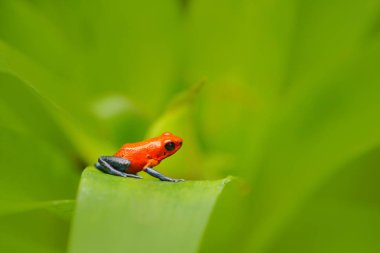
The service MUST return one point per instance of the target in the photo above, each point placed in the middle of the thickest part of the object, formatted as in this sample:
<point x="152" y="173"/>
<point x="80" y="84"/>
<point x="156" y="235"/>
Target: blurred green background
<point x="283" y="95"/>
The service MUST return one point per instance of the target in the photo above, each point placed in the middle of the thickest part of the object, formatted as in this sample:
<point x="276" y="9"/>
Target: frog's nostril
<point x="180" y="143"/>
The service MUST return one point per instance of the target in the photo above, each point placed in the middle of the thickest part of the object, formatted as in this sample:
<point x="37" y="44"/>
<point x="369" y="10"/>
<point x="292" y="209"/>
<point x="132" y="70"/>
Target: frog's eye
<point x="169" y="146"/>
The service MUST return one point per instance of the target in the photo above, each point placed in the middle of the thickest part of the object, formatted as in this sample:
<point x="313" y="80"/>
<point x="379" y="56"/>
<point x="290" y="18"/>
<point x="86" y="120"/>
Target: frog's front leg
<point x="114" y="165"/>
<point x="158" y="175"/>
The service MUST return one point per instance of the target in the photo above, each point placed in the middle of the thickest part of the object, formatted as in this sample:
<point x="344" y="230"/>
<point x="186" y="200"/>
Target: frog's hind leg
<point x="158" y="175"/>
<point x="115" y="166"/>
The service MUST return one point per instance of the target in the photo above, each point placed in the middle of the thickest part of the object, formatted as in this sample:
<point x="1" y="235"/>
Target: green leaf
<point x="35" y="231"/>
<point x="291" y="100"/>
<point x="33" y="172"/>
<point x="341" y="216"/>
<point x="140" y="215"/>
<point x="24" y="110"/>
<point x="179" y="119"/>
<point x="38" y="178"/>
<point x="31" y="223"/>
<point x="324" y="115"/>
<point x="33" y="151"/>
<point x="323" y="127"/>
<point x="84" y="57"/>
<point x="36" y="81"/>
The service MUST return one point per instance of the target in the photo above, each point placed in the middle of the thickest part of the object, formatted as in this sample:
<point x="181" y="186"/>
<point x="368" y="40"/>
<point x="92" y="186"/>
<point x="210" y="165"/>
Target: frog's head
<point x="169" y="144"/>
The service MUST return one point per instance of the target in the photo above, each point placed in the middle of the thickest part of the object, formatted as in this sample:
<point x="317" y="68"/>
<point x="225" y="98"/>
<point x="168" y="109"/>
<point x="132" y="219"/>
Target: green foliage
<point x="282" y="94"/>
<point x="36" y="172"/>
<point x="159" y="216"/>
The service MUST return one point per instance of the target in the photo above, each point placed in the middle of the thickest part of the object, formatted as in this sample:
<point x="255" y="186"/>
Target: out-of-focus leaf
<point x="22" y="108"/>
<point x="132" y="52"/>
<point x="33" y="171"/>
<point x="35" y="231"/>
<point x="218" y="236"/>
<point x="37" y="172"/>
<point x="47" y="60"/>
<point x="314" y="137"/>
<point x="72" y="120"/>
<point x="242" y="47"/>
<point x="20" y="21"/>
<point x="241" y="42"/>
<point x="179" y="119"/>
<point x="33" y="146"/>
<point x="90" y="53"/>
<point x="35" y="226"/>
<point x="342" y="216"/>
<point x="63" y="208"/>
<point x="120" y="118"/>
<point x="104" y="49"/>
<point x="139" y="215"/>
<point x="323" y="112"/>
<point x="323" y="42"/>
<point x="291" y="99"/>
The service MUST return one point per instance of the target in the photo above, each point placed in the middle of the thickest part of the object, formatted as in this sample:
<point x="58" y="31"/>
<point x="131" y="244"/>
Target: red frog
<point x="132" y="158"/>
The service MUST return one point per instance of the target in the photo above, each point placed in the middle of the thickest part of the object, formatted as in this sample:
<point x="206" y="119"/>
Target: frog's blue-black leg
<point x="158" y="175"/>
<point x="115" y="166"/>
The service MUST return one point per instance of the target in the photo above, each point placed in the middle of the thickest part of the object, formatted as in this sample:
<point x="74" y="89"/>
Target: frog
<point x="133" y="158"/>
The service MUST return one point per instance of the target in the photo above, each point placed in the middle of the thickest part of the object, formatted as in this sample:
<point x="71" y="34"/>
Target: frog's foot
<point x="116" y="166"/>
<point x="158" y="175"/>
<point x="176" y="180"/>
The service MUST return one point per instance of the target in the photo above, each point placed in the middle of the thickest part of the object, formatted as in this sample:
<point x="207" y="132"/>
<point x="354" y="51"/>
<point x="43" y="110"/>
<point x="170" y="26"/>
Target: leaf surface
<point x="128" y="215"/>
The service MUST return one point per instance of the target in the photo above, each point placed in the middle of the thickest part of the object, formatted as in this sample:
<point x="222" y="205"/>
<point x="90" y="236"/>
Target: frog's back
<point x="130" y="150"/>
<point x="138" y="154"/>
<point x="149" y="152"/>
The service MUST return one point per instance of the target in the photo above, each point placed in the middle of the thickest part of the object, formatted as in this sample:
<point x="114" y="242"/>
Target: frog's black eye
<point x="169" y="146"/>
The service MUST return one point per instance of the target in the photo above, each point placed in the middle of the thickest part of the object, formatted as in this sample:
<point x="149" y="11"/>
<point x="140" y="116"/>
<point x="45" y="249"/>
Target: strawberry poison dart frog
<point x="132" y="158"/>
